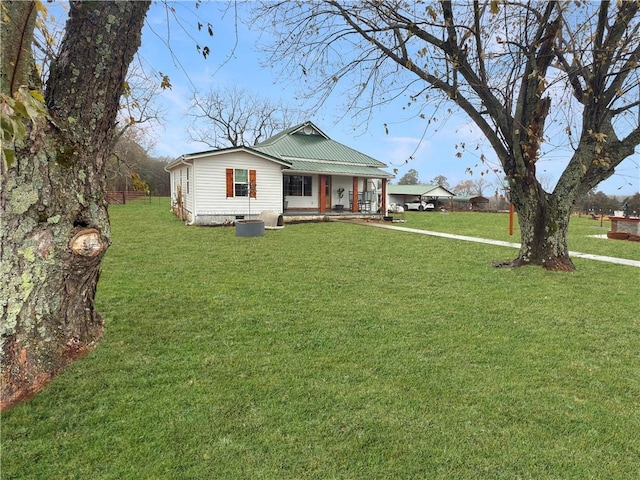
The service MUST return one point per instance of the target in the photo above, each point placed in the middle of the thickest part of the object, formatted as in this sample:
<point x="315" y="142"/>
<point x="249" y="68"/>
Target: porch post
<point x="383" y="206"/>
<point x="354" y="201"/>
<point x="322" y="196"/>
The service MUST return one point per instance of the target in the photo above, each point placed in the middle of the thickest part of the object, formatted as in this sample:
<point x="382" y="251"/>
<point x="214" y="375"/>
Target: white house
<point x="300" y="170"/>
<point x="214" y="186"/>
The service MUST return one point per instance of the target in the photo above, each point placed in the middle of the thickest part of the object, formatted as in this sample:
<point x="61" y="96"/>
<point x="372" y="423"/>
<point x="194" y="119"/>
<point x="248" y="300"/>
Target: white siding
<point x="341" y="182"/>
<point x="186" y="180"/>
<point x="182" y="177"/>
<point x="209" y="185"/>
<point x="174" y="185"/>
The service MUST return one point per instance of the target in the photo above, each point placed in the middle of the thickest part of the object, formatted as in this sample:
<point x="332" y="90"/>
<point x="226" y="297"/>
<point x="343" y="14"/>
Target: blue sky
<point x="434" y="155"/>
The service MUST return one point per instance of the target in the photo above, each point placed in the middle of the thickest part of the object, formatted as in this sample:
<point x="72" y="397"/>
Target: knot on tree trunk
<point x="87" y="243"/>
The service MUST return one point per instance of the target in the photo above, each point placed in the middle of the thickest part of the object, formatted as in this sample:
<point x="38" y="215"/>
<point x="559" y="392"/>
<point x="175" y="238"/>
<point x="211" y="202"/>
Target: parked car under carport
<point x="420" y="206"/>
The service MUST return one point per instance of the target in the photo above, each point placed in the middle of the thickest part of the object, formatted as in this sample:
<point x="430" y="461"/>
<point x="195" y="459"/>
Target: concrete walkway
<point x="600" y="258"/>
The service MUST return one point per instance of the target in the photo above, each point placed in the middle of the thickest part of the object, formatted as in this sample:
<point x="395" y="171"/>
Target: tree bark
<point x="544" y="222"/>
<point x="15" y="37"/>
<point x="54" y="223"/>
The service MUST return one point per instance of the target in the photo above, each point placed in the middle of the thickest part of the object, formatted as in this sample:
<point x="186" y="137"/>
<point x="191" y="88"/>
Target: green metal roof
<point x="331" y="168"/>
<point x="295" y="144"/>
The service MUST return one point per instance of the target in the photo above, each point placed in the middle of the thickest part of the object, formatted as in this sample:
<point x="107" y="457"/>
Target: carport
<point x="403" y="194"/>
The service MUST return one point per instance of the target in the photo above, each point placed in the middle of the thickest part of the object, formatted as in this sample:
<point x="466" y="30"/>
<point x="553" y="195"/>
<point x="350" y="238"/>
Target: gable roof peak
<point x="305" y="128"/>
<point x="308" y="128"/>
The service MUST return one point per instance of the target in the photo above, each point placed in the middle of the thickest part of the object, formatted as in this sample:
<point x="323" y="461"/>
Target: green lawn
<point x="583" y="232"/>
<point x="340" y="351"/>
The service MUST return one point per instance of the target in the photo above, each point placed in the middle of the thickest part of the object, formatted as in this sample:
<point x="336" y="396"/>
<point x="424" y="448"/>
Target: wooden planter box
<point x="618" y="235"/>
<point x="624" y="228"/>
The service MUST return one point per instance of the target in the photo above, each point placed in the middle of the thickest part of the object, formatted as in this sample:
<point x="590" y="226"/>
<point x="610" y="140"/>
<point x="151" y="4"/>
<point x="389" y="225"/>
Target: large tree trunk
<point x="544" y="222"/>
<point x="54" y="223"/>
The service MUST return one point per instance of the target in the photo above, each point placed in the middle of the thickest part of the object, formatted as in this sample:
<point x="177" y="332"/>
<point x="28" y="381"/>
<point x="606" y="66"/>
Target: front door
<point x="327" y="193"/>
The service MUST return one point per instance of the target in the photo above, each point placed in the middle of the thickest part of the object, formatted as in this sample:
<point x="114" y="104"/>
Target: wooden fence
<point x="121" y="198"/>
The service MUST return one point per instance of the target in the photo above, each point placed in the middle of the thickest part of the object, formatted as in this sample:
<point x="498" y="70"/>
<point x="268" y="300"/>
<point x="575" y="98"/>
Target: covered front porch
<point x="334" y="195"/>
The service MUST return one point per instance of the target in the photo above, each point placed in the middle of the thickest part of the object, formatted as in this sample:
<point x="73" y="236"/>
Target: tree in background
<point x="138" y="103"/>
<point x="409" y="178"/>
<point x="464" y="188"/>
<point x="531" y="75"/>
<point x="53" y="210"/>
<point x="129" y="155"/>
<point x="440" y="180"/>
<point x="232" y="117"/>
<point x="471" y="187"/>
<point x="139" y="185"/>
<point x="599" y="203"/>
<point x="633" y="204"/>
